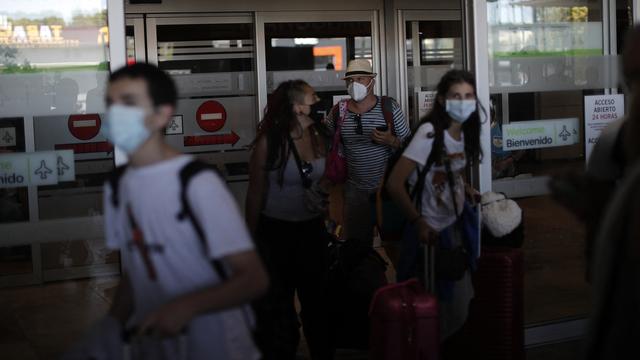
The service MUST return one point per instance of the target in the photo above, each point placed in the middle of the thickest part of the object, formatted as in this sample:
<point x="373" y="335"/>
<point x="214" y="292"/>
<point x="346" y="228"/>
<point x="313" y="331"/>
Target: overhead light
<point x="305" y="41"/>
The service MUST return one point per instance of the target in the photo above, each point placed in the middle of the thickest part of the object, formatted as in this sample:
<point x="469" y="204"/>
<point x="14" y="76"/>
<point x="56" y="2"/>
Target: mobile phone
<point x="382" y="128"/>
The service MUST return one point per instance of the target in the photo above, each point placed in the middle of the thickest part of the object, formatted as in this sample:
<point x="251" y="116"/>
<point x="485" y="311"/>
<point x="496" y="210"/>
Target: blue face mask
<point x="124" y="127"/>
<point x="460" y="110"/>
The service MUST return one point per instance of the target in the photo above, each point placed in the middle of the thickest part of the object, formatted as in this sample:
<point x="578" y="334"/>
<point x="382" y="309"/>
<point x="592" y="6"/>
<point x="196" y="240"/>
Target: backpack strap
<point x="188" y="172"/>
<point x="387" y="111"/>
<point x="114" y="182"/>
<point x="339" y="114"/>
<point x="343" y="110"/>
<point x="422" y="175"/>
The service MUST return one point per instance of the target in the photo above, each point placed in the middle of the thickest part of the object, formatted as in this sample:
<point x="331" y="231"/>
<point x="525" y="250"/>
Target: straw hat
<point x="359" y="67"/>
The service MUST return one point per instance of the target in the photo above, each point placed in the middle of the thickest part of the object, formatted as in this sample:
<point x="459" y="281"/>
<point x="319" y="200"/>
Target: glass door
<point x="432" y="44"/>
<point x="134" y="39"/>
<point x="211" y="59"/>
<point x="316" y="47"/>
<point x="53" y="159"/>
<point x="547" y="61"/>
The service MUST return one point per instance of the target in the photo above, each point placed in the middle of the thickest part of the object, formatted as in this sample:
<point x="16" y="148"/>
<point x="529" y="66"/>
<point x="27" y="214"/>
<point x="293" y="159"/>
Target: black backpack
<point x="392" y="220"/>
<point x="188" y="172"/>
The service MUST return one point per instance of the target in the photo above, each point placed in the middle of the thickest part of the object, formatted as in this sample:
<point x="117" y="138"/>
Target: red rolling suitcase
<point x="495" y="326"/>
<point x="404" y="323"/>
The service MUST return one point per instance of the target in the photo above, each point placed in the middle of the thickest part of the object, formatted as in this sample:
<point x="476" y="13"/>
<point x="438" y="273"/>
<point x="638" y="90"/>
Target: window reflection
<point x="317" y="52"/>
<point x="48" y="56"/>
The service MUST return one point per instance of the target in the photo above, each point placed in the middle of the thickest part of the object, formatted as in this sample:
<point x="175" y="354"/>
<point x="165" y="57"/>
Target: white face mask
<point x="358" y="91"/>
<point x="460" y="110"/>
<point x="124" y="127"/>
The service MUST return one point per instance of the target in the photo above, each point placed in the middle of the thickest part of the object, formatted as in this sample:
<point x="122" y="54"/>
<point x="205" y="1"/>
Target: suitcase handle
<point x="429" y="268"/>
<point x="131" y="333"/>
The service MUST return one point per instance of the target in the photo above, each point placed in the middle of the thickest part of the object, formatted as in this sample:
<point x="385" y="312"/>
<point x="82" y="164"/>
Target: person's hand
<point x="383" y="137"/>
<point x="167" y="321"/>
<point x="473" y="195"/>
<point x="426" y="234"/>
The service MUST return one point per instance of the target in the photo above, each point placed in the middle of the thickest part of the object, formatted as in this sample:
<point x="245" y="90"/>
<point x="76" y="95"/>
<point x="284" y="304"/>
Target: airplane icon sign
<point x="61" y="166"/>
<point x="43" y="170"/>
<point x="564" y="134"/>
<point x="7" y="138"/>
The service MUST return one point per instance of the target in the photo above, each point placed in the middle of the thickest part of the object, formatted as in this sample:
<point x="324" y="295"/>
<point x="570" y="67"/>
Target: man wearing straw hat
<point x="368" y="142"/>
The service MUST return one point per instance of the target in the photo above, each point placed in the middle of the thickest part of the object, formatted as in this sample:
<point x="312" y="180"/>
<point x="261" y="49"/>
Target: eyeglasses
<point x="306" y="168"/>
<point x="358" y="120"/>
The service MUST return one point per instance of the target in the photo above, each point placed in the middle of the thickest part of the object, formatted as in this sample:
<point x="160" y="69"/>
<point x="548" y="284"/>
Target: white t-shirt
<point x="182" y="263"/>
<point x="437" y="207"/>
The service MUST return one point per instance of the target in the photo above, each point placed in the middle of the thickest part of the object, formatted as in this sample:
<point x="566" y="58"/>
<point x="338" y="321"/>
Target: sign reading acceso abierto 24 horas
<point x="540" y="134"/>
<point x="38" y="168"/>
<point x="600" y="111"/>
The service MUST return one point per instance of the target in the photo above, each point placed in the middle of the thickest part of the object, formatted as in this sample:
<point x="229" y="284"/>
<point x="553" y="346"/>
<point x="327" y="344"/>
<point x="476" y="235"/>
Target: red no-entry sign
<point x="84" y="126"/>
<point x="211" y="116"/>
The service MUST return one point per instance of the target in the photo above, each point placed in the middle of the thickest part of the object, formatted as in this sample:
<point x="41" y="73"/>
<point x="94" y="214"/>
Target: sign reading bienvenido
<point x="540" y="134"/>
<point x="38" y="168"/>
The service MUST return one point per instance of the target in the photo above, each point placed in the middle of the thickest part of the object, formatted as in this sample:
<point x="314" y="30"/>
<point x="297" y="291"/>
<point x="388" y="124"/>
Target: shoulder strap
<point x="188" y="172"/>
<point x="343" y="109"/>
<point x="306" y="182"/>
<point x="339" y="114"/>
<point x="114" y="182"/>
<point x="387" y="111"/>
<point x="450" y="179"/>
<point x="422" y="175"/>
<point x="335" y="113"/>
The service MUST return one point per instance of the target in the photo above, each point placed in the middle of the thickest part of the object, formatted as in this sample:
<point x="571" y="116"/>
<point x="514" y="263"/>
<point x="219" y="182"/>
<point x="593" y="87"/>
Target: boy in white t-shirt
<point x="169" y="284"/>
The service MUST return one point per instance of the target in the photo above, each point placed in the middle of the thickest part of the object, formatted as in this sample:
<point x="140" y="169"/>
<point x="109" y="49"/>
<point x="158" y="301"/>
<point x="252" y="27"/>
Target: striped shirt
<point x="366" y="160"/>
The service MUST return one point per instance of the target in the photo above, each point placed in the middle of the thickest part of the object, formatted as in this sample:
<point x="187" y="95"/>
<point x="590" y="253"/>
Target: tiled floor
<point x="554" y="262"/>
<point x="39" y="322"/>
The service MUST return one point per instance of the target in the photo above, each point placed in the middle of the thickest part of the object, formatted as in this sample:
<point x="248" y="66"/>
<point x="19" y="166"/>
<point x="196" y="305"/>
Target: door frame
<point x="35" y="232"/>
<point x="403" y="16"/>
<point x="571" y="327"/>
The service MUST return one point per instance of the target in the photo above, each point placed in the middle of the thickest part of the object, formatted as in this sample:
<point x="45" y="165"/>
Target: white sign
<point x="175" y="126"/>
<point x="42" y="168"/>
<point x="540" y="134"/>
<point x="8" y="136"/>
<point x="39" y="168"/>
<point x="203" y="83"/>
<point x="65" y="165"/>
<point x="600" y="111"/>
<point x="425" y="102"/>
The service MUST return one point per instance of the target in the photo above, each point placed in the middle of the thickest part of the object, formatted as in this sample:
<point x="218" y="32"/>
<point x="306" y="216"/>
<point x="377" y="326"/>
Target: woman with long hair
<point x="284" y="211"/>
<point x="434" y="164"/>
